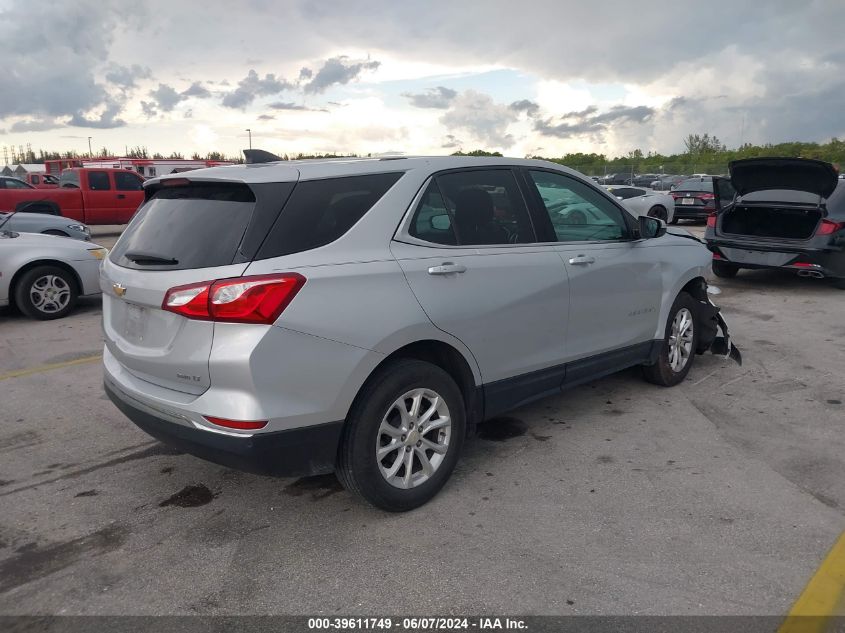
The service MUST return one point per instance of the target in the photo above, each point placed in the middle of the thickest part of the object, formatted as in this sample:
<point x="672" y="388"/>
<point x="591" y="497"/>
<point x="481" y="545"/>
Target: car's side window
<point x="485" y="207"/>
<point x="98" y="181"/>
<point x="15" y="184"/>
<point x="432" y="219"/>
<point x="127" y="181"/>
<point x="577" y="212"/>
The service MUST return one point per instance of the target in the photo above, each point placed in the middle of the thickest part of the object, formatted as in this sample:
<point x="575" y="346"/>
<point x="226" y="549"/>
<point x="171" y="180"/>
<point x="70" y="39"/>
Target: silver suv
<point x="362" y="316"/>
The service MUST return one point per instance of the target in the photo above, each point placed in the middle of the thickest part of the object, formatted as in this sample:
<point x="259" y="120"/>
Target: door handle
<point x="447" y="268"/>
<point x="582" y="260"/>
<point x="121" y="196"/>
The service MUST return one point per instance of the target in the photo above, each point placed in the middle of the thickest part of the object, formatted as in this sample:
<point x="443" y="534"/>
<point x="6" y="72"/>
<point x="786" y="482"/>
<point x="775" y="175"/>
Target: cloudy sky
<point x="545" y="77"/>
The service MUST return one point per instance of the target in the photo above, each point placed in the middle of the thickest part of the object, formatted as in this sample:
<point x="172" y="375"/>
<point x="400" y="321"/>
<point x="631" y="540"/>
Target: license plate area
<point x="761" y="258"/>
<point x="687" y="200"/>
<point x="133" y="324"/>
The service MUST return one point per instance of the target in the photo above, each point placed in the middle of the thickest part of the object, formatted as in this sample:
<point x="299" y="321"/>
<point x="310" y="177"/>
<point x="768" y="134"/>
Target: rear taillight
<point x="717" y="256"/>
<point x="829" y="228"/>
<point x="255" y="299"/>
<point x="711" y="221"/>
<point x="706" y="196"/>
<point x="241" y="425"/>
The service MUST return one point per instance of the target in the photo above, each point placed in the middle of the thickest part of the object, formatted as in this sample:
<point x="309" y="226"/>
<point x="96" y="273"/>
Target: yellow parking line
<point x="823" y="597"/>
<point x="50" y="367"/>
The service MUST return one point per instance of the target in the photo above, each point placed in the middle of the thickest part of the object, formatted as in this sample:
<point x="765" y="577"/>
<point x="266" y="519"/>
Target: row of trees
<point x="704" y="153"/>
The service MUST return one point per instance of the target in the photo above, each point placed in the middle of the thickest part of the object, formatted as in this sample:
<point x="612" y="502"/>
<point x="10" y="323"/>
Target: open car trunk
<point x="771" y="221"/>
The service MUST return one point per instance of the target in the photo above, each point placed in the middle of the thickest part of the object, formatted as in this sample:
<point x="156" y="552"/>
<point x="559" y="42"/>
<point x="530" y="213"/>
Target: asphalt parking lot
<point x="720" y="496"/>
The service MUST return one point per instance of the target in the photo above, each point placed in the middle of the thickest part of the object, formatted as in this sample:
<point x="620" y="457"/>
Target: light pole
<point x="90" y="153"/>
<point x="250" y="137"/>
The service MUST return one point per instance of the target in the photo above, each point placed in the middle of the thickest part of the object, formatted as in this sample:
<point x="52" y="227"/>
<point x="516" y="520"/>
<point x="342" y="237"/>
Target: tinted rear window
<point x="320" y="211"/>
<point x="198" y="225"/>
<point x="696" y="184"/>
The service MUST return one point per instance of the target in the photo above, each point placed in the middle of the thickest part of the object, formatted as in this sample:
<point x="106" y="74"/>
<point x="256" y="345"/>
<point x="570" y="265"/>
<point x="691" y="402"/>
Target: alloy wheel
<point x="680" y="340"/>
<point x="50" y="294"/>
<point x="413" y="438"/>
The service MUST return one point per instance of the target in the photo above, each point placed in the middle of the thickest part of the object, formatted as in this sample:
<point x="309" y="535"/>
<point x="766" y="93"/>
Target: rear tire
<point x="724" y="269"/>
<point x="677" y="353"/>
<point x="46" y="292"/>
<point x="659" y="212"/>
<point x="383" y="417"/>
<point x="674" y="221"/>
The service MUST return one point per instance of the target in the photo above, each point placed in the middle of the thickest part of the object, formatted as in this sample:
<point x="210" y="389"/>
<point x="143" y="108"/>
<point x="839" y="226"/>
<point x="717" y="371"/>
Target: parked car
<point x="621" y="178"/>
<point x="694" y="199"/>
<point x="22" y="222"/>
<point x="643" y="180"/>
<point x="44" y="275"/>
<point x="667" y="183"/>
<point x="92" y="196"/>
<point x="639" y="201"/>
<point x="8" y="182"/>
<point x="786" y="213"/>
<point x="384" y="310"/>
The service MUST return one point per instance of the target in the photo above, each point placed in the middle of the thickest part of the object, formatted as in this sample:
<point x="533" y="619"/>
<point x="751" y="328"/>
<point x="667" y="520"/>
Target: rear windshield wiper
<point x="150" y="259"/>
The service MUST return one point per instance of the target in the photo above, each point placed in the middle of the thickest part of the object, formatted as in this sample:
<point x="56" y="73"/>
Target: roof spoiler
<point x="258" y="156"/>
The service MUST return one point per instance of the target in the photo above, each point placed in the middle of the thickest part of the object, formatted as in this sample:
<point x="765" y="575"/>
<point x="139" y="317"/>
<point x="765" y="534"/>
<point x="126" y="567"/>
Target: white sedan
<point x="639" y="201"/>
<point x="44" y="274"/>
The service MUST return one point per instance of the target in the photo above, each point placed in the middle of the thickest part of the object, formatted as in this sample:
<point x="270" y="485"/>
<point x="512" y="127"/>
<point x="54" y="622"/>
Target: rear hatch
<point x="774" y="199"/>
<point x="189" y="230"/>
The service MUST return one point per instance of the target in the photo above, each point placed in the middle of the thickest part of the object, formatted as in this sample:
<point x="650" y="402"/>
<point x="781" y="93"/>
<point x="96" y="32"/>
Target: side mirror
<point x="440" y="222"/>
<point x="651" y="227"/>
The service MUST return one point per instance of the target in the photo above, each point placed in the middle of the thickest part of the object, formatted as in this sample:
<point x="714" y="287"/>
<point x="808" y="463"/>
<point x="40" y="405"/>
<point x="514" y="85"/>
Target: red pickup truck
<point x="92" y="196"/>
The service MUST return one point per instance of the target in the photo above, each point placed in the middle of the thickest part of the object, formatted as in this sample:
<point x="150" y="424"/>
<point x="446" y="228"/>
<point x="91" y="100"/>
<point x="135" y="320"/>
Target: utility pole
<point x="90" y="153"/>
<point x="250" y="137"/>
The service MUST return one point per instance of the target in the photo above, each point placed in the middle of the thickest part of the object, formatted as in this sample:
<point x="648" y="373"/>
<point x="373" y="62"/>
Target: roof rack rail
<point x="258" y="156"/>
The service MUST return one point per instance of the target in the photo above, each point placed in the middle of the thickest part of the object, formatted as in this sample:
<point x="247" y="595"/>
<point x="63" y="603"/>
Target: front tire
<point x="403" y="436"/>
<point x="724" y="269"/>
<point x="46" y="292"/>
<point x="677" y="353"/>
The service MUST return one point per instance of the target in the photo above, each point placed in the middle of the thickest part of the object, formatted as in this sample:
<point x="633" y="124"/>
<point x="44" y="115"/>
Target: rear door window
<point x="433" y="221"/>
<point x="486" y="206"/>
<point x="320" y="211"/>
<point x="197" y="225"/>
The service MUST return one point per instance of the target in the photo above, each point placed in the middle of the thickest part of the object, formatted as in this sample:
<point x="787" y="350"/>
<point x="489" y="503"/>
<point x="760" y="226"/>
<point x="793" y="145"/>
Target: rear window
<point x="320" y="211"/>
<point x="696" y="184"/>
<point x="198" y="225"/>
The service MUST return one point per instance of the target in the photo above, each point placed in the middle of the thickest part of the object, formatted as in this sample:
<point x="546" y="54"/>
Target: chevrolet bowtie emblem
<point x="119" y="290"/>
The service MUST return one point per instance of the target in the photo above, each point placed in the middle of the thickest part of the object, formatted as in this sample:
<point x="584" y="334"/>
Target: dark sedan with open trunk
<point x="785" y="213"/>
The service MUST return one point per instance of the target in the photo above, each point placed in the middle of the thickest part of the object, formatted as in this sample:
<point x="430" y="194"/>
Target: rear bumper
<point x="297" y="452"/>
<point x="691" y="213"/>
<point x="830" y="262"/>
